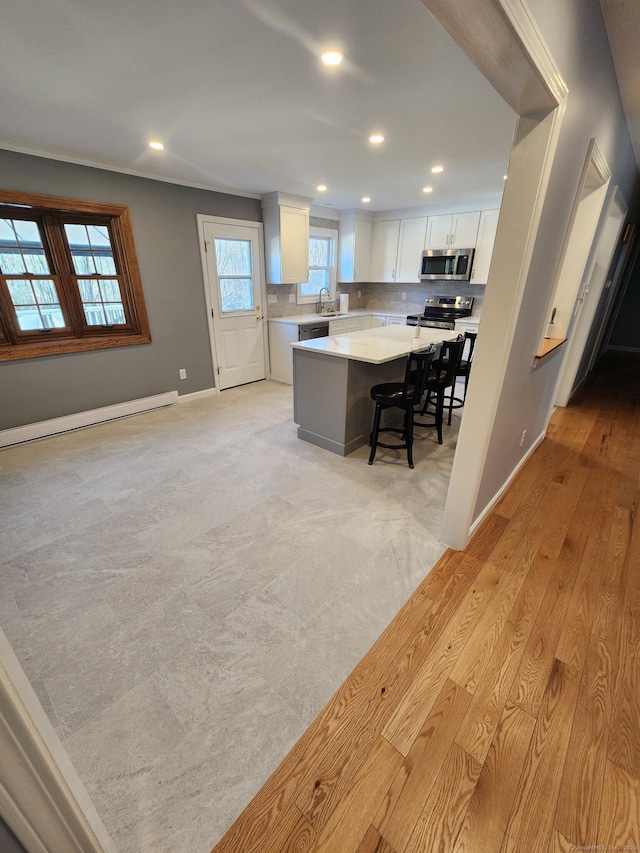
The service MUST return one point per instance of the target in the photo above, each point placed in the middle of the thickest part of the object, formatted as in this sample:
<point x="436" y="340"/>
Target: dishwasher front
<point x="313" y="330"/>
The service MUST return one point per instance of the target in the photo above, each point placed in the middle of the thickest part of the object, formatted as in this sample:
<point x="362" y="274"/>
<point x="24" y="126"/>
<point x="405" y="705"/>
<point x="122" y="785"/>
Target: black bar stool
<point x="464" y="369"/>
<point x="401" y="395"/>
<point x="441" y="377"/>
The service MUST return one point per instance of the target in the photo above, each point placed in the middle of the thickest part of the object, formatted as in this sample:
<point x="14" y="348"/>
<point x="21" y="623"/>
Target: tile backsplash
<point x="378" y="297"/>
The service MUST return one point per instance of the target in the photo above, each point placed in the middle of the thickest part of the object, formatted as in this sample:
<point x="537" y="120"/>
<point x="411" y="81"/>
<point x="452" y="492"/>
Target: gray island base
<point x="332" y="378"/>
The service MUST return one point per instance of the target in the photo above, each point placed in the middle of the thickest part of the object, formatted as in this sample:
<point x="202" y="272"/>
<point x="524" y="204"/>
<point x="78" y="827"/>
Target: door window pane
<point x="233" y="257"/>
<point x="236" y="294"/>
<point x="233" y="262"/>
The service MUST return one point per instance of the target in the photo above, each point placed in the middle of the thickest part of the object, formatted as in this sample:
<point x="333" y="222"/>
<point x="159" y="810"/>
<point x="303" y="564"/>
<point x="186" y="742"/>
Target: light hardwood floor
<point x="500" y="709"/>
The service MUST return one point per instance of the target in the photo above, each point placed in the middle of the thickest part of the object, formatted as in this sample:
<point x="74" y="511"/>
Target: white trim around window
<point x="332" y="237"/>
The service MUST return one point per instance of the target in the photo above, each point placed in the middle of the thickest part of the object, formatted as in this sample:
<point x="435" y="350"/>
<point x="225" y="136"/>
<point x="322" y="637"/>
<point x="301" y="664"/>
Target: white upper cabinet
<point x="438" y="232"/>
<point x="354" y="247"/>
<point x="411" y="244"/>
<point x="453" y="231"/>
<point x="484" y="246"/>
<point x="384" y="249"/>
<point x="286" y="238"/>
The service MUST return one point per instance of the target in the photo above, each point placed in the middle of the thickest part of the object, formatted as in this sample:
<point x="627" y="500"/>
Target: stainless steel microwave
<point x="446" y="264"/>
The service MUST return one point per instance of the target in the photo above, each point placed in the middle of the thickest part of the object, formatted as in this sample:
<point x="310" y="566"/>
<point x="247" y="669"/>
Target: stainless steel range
<point x="441" y="312"/>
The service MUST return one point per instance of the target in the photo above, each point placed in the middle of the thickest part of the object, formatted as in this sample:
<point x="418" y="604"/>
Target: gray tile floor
<point x="187" y="588"/>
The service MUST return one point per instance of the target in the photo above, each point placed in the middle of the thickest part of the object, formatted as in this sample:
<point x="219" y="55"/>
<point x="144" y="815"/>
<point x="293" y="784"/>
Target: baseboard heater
<point x="42" y="429"/>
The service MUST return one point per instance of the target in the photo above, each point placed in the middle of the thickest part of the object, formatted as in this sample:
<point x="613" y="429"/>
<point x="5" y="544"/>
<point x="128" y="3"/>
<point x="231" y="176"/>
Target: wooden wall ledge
<point x="549" y="345"/>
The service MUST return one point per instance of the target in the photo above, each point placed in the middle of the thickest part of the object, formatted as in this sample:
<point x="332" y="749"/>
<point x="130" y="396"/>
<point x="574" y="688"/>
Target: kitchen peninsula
<point x="332" y="378"/>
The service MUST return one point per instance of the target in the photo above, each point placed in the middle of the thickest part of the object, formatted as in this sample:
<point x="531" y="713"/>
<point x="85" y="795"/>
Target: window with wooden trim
<point x="69" y="277"/>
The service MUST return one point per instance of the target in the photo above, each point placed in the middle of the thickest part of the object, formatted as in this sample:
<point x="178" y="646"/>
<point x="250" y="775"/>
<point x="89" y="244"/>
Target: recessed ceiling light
<point x="427" y="189"/>
<point x="157" y="146"/>
<point x="376" y="138"/>
<point x="366" y="199"/>
<point x="504" y="178"/>
<point x="437" y="169"/>
<point x="322" y="188"/>
<point x="332" y="57"/>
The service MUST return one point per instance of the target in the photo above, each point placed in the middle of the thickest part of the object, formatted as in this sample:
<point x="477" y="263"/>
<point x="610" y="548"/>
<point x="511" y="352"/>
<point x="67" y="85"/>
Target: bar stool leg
<point x="374" y="433"/>
<point x="439" y="414"/>
<point x="408" y="432"/>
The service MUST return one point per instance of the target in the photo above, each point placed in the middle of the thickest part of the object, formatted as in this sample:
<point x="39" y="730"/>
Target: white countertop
<point x="376" y="346"/>
<point x="305" y="319"/>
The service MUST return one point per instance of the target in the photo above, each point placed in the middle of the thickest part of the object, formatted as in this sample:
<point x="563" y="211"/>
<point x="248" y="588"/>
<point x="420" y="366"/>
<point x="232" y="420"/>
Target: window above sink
<point x="322" y="269"/>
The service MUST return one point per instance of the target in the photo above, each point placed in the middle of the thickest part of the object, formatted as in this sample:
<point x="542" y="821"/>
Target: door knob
<point x="258" y="318"/>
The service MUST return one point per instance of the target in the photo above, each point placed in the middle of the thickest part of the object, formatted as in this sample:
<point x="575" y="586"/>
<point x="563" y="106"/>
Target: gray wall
<point x="165" y="231"/>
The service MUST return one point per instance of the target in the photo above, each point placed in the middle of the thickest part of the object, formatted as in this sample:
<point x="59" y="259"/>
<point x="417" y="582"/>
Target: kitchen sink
<point x="335" y="314"/>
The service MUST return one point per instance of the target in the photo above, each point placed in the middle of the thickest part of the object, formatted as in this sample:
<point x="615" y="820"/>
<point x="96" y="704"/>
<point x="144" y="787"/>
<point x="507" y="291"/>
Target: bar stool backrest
<point x="447" y="363"/>
<point x="416" y="373"/>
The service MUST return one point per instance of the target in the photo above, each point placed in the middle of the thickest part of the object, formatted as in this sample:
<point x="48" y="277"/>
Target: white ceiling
<point x="235" y="90"/>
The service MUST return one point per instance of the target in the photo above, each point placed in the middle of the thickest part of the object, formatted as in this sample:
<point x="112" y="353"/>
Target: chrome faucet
<point x="320" y="298"/>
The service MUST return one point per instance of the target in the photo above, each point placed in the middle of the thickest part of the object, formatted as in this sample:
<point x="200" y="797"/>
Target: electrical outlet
<point x="272" y="299"/>
<point x="183" y="373"/>
<point x="522" y="437"/>
<point x="359" y="294"/>
<point x="404" y="295"/>
<point x="292" y="297"/>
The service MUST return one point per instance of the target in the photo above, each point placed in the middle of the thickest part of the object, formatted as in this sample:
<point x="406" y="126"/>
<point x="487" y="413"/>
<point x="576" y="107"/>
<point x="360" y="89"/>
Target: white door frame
<point x="42" y="799"/>
<point x="622" y="267"/>
<point x="501" y="38"/>
<point x="612" y="282"/>
<point x="588" y="296"/>
<point x="202" y="218"/>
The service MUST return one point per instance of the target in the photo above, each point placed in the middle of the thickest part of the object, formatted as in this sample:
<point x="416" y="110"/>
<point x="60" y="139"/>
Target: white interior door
<point x="235" y="285"/>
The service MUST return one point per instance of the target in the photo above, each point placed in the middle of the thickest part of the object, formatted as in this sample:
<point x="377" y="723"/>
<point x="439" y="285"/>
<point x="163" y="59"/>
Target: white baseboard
<point x="505" y="486"/>
<point x="41" y="429"/>
<point x="197" y="395"/>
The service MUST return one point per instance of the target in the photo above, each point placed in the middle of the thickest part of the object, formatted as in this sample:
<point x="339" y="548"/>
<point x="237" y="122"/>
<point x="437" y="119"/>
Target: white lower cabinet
<point x="378" y="320"/>
<point x="281" y="336"/>
<point x="467" y="326"/>
<point x="282" y="333"/>
<point x="345" y="324"/>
